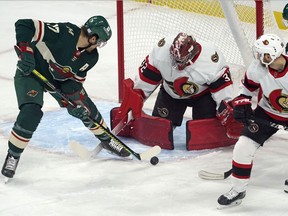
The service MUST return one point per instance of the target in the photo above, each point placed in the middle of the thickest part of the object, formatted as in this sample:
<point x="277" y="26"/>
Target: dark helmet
<point x="183" y="49"/>
<point x="98" y="25"/>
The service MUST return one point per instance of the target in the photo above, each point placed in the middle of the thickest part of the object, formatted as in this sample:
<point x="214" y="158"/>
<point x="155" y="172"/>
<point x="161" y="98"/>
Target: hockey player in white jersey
<point x="191" y="73"/>
<point x="267" y="77"/>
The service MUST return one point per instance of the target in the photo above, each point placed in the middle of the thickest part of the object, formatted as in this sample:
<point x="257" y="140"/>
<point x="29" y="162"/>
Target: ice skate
<point x="231" y="198"/>
<point x="9" y="166"/>
<point x="286" y="186"/>
<point x="115" y="148"/>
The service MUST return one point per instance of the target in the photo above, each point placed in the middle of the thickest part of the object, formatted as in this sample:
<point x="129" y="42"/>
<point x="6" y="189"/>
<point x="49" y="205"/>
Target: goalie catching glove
<point x="225" y="115"/>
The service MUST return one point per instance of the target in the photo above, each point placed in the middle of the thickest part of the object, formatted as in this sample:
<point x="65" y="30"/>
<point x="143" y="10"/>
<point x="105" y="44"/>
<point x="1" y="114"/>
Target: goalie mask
<point x="268" y="44"/>
<point x="183" y="49"/>
<point x="98" y="26"/>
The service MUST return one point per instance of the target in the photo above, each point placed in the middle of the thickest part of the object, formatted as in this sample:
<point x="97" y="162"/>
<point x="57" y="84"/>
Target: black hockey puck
<point x="154" y="160"/>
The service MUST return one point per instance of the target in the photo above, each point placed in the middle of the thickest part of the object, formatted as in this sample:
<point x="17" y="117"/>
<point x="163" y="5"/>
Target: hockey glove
<point x="225" y="115"/>
<point x="242" y="108"/>
<point x="26" y="62"/>
<point x="81" y="110"/>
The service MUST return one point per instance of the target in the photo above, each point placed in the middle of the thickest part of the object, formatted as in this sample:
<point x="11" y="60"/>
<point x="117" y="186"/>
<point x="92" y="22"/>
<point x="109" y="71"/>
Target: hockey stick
<point x="85" y="154"/>
<point x="218" y="176"/>
<point x="144" y="156"/>
<point x="213" y="175"/>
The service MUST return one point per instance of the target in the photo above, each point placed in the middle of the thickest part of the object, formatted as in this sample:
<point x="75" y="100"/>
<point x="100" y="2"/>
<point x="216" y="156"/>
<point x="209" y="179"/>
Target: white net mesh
<point x="146" y="22"/>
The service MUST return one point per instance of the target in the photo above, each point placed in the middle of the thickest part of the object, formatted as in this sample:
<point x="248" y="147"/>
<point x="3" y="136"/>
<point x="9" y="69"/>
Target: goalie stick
<point x="146" y="155"/>
<point x="219" y="176"/>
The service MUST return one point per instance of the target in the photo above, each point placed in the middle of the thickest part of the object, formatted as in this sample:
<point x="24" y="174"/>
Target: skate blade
<point x="233" y="204"/>
<point x="6" y="180"/>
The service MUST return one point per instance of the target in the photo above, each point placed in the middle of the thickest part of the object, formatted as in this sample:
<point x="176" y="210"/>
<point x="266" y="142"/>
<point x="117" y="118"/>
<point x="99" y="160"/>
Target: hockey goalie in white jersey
<point x="266" y="77"/>
<point x="190" y="74"/>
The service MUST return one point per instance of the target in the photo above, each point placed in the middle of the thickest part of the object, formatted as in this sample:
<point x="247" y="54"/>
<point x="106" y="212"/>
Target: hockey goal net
<point x="232" y="25"/>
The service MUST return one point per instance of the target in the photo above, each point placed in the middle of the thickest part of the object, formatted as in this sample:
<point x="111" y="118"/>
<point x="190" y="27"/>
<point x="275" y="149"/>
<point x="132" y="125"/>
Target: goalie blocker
<point x="141" y="127"/>
<point x="149" y="130"/>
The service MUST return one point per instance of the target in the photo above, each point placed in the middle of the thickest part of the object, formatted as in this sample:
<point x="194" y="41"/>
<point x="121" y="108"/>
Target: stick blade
<point x="151" y="152"/>
<point x="210" y="175"/>
<point x="79" y="150"/>
<point x="82" y="151"/>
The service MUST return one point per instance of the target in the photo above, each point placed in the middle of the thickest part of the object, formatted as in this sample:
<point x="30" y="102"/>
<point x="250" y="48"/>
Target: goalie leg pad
<point x="125" y="128"/>
<point x="148" y="130"/>
<point x="206" y="134"/>
<point x="151" y="131"/>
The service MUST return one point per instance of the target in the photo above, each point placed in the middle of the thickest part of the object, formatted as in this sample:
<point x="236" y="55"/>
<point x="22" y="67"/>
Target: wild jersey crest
<point x="60" y="72"/>
<point x="32" y="93"/>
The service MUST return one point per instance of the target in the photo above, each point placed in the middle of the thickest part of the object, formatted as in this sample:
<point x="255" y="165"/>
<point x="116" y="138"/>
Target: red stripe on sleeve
<point x="40" y="30"/>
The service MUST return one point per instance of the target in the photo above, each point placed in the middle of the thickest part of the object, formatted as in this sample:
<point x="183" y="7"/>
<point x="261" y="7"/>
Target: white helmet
<point x="268" y="44"/>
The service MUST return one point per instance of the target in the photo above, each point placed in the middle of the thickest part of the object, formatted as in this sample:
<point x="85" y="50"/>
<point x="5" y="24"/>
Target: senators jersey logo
<point x="215" y="57"/>
<point x="162" y="42"/>
<point x="278" y="101"/>
<point x="183" y="87"/>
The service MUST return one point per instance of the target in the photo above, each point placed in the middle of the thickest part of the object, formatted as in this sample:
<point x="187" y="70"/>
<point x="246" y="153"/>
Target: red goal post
<point x="231" y="25"/>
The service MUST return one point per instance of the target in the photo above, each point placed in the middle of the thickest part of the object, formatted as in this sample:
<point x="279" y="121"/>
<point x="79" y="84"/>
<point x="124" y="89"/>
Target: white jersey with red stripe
<point x="208" y="71"/>
<point x="271" y="86"/>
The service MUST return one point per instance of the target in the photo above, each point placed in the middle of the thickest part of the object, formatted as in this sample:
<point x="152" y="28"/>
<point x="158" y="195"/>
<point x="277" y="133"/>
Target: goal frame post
<point x="226" y="9"/>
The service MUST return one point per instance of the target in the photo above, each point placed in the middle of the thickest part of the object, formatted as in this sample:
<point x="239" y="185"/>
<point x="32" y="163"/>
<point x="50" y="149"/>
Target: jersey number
<point x="54" y="27"/>
<point x="226" y="77"/>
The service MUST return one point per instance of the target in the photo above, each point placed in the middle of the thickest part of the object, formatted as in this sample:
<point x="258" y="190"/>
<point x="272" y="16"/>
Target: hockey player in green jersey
<point x="63" y="53"/>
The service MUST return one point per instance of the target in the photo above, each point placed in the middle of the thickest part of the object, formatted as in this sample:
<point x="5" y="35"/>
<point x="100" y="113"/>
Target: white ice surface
<point x="51" y="181"/>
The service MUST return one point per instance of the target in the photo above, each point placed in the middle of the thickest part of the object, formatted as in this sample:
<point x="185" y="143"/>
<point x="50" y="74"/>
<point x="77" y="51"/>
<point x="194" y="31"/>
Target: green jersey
<point x="55" y="48"/>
